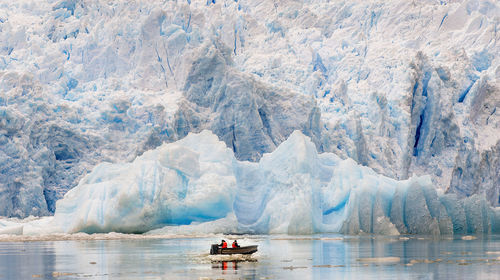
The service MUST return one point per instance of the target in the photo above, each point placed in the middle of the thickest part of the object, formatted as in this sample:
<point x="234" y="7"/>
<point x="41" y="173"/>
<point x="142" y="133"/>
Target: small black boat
<point x="245" y="250"/>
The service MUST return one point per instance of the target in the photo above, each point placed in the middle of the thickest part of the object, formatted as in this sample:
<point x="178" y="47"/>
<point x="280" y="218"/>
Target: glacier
<point x="196" y="185"/>
<point x="407" y="89"/>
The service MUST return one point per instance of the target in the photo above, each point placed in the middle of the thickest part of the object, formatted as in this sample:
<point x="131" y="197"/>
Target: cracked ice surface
<point x="403" y="87"/>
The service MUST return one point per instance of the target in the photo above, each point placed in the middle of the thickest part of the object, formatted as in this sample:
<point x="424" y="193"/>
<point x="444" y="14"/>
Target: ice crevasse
<point x="404" y="87"/>
<point x="197" y="185"/>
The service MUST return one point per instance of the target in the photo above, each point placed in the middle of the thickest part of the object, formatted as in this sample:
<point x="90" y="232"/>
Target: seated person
<point x="223" y="244"/>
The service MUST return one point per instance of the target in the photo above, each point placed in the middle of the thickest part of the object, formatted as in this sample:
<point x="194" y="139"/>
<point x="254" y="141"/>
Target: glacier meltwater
<point x="196" y="185"/>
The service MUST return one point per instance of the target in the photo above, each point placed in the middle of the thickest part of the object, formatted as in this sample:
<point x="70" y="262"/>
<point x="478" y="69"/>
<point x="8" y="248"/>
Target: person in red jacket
<point x="235" y="244"/>
<point x="223" y="244"/>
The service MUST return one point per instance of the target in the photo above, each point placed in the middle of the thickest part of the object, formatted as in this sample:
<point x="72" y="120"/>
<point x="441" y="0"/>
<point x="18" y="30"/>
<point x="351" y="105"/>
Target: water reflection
<point x="395" y="258"/>
<point x="225" y="265"/>
<point x="35" y="255"/>
<point x="279" y="257"/>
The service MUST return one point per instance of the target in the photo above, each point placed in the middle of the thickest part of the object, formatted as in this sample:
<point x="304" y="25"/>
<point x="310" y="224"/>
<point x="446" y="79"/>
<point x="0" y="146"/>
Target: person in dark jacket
<point x="235" y="244"/>
<point x="223" y="244"/>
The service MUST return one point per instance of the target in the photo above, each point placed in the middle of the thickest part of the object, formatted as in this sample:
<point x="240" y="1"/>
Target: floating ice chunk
<point x="468" y="237"/>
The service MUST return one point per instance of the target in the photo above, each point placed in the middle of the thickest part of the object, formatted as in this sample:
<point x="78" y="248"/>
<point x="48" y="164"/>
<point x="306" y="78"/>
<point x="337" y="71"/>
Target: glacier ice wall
<point x="402" y="87"/>
<point x="250" y="117"/>
<point x="197" y="185"/>
<point x="75" y="94"/>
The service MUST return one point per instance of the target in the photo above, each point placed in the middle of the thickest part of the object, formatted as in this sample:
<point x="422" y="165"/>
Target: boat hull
<point x="245" y="250"/>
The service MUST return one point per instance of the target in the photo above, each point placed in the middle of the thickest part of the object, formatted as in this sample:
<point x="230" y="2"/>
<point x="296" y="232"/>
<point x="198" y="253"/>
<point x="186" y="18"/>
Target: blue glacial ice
<point x="189" y="181"/>
<point x="196" y="185"/>
<point x="402" y="87"/>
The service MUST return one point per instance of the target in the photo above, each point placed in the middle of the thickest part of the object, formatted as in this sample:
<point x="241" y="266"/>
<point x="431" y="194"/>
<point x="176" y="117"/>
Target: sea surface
<point x="118" y="256"/>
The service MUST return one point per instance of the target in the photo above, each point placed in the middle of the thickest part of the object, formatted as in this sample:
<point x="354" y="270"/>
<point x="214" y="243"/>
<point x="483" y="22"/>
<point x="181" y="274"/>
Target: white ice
<point x="403" y="87"/>
<point x="196" y="185"/>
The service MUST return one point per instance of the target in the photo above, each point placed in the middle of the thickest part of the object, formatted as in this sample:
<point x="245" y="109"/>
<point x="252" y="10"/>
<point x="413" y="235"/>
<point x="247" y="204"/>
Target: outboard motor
<point x="214" y="249"/>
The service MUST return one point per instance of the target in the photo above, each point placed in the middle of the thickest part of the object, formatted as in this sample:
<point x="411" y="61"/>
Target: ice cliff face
<point x="404" y="88"/>
<point x="250" y="117"/>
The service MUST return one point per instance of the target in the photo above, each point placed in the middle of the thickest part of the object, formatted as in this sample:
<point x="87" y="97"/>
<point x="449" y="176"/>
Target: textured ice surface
<point x="196" y="185"/>
<point x="184" y="182"/>
<point x="403" y="87"/>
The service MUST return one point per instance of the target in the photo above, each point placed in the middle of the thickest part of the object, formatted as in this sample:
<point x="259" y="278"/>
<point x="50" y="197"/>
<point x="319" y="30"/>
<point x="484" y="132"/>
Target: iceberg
<point x="196" y="185"/>
<point x="181" y="183"/>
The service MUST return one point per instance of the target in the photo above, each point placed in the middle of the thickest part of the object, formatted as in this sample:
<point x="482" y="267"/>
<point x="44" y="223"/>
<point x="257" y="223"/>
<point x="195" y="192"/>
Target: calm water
<point x="279" y="257"/>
